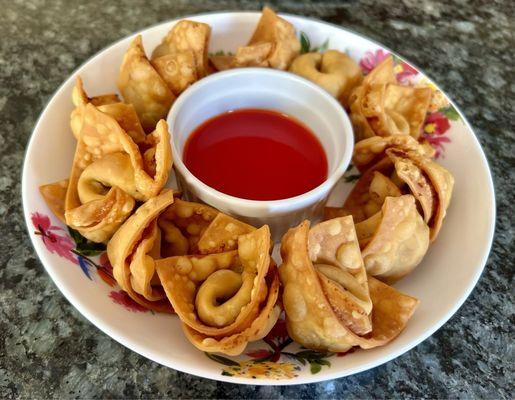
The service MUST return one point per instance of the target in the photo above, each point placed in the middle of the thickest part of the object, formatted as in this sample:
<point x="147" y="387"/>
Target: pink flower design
<point x="403" y="71"/>
<point x="435" y="127"/>
<point x="59" y="244"/>
<point x="122" y="298"/>
<point x="370" y="60"/>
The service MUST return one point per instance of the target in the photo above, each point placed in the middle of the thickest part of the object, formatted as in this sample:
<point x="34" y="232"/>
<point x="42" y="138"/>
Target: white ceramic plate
<point x="442" y="282"/>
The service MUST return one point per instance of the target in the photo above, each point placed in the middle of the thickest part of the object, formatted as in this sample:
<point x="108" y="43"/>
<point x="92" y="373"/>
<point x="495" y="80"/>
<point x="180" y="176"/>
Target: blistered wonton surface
<point x="274" y="44"/>
<point x="382" y="107"/>
<point x="226" y="299"/>
<point x="110" y="169"/>
<point x="141" y="85"/>
<point x="321" y="302"/>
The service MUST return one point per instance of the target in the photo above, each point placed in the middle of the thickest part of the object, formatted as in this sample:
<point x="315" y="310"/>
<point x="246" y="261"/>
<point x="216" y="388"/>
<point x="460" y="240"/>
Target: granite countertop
<point x="48" y="349"/>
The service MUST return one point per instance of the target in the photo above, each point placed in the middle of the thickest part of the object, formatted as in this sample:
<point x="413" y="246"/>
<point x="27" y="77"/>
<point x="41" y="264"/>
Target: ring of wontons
<point x="334" y="71"/>
<point x="274" y="44"/>
<point x="227" y="299"/>
<point x="329" y="302"/>
<point x="382" y="107"/>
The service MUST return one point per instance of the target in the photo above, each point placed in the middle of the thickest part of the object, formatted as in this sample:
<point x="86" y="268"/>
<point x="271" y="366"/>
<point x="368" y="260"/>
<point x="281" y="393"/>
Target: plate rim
<point x="329" y="374"/>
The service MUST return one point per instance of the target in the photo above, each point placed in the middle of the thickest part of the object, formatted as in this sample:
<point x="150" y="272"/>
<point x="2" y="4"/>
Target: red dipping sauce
<point x="256" y="154"/>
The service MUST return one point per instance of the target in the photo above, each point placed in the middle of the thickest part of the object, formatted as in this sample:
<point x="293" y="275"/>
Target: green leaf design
<point x="349" y="167"/>
<point x="450" y="112"/>
<point x="85" y="247"/>
<point x="222" y="360"/>
<point x="312" y="354"/>
<point x="315" y="368"/>
<point x="305" y="44"/>
<point x="323" y="361"/>
<point x="225" y="373"/>
<point x="323" y="47"/>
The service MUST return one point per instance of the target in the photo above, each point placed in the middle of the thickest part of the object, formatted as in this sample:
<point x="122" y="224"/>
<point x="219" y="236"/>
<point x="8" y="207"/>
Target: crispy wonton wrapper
<point x="335" y="254"/>
<point x="124" y="114"/>
<point x="394" y="240"/>
<point x="107" y="157"/>
<point x="54" y="195"/>
<point x="133" y="250"/>
<point x="224" y="300"/>
<point x="401" y="170"/>
<point x="274" y="44"/>
<point x="317" y="318"/>
<point x="186" y="39"/>
<point x="334" y="71"/>
<point x="142" y="86"/>
<point x="381" y="107"/>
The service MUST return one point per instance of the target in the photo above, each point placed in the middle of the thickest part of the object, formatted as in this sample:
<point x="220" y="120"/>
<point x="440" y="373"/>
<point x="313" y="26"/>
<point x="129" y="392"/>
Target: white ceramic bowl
<point x="263" y="89"/>
<point x="442" y="281"/>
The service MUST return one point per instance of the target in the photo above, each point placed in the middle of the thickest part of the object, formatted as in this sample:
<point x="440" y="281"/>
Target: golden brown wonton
<point x="274" y="44"/>
<point x="227" y="299"/>
<point x="133" y="250"/>
<point x="142" y="86"/>
<point x="382" y="107"/>
<point x="321" y="303"/>
<point x="110" y="171"/>
<point x="181" y="59"/>
<point x="402" y="168"/>
<point x="334" y="71"/>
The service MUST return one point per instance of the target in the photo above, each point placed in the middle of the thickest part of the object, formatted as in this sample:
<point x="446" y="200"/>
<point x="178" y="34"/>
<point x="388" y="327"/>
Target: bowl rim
<point x="328" y="375"/>
<point x="289" y="203"/>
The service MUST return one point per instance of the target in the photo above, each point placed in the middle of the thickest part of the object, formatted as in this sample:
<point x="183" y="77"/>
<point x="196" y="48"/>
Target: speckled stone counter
<point x="48" y="350"/>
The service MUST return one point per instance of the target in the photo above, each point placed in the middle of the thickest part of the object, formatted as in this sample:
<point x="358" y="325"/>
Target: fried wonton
<point x="133" y="250"/>
<point x="123" y="113"/>
<point x="335" y="254"/>
<point x="224" y="300"/>
<point x="110" y="172"/>
<point x="187" y="41"/>
<point x="334" y="71"/>
<point x="394" y="240"/>
<point x="54" y="195"/>
<point x="142" y="86"/>
<point x="402" y="170"/>
<point x="183" y="224"/>
<point x="317" y="313"/>
<point x="382" y="107"/>
<point x="274" y="44"/>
